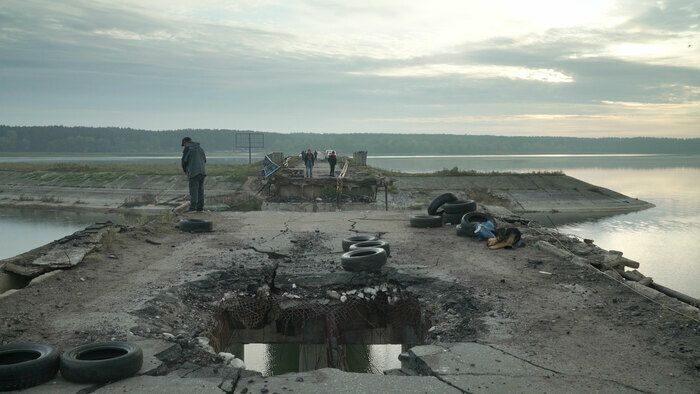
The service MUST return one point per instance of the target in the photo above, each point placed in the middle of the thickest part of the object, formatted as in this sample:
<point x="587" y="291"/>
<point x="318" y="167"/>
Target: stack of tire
<point x="364" y="253"/>
<point x="455" y="209"/>
<point x="24" y="365"/>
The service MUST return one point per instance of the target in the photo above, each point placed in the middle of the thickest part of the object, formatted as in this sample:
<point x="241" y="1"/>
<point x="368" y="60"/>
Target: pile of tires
<point x="24" y="365"/>
<point x="444" y="209"/>
<point x="364" y="253"/>
<point x="454" y="210"/>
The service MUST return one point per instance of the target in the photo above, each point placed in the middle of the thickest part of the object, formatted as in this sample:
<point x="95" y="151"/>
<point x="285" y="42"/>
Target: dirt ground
<point x="568" y="319"/>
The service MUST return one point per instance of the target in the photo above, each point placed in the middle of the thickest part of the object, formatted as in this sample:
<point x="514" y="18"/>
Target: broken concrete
<point x="571" y="329"/>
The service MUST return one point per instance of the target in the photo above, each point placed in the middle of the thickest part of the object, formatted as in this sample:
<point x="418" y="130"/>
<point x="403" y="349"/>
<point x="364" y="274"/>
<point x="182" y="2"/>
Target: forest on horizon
<point x="113" y="140"/>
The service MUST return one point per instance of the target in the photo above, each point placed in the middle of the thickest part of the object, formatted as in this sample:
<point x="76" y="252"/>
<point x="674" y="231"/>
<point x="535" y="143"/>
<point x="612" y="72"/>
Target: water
<point x="664" y="239"/>
<point x="276" y="359"/>
<point x="24" y="229"/>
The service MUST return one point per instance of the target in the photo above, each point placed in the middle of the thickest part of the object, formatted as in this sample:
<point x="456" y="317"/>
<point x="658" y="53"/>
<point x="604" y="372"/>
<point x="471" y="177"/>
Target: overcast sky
<point x="577" y="68"/>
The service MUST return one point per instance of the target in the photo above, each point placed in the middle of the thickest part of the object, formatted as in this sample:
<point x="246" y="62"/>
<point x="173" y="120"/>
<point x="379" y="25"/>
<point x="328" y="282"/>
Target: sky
<point x="539" y="67"/>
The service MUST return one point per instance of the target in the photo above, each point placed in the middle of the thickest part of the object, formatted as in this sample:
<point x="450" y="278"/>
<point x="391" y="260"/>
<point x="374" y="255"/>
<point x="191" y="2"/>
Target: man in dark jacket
<point x="193" y="164"/>
<point x="332" y="160"/>
<point x="309" y="163"/>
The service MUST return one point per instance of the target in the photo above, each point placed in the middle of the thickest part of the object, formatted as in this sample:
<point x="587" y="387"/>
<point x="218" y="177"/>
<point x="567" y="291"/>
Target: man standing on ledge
<point x="193" y="164"/>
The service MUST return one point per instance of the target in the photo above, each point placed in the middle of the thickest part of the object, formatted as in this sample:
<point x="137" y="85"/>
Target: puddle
<point x="277" y="359"/>
<point x="276" y="335"/>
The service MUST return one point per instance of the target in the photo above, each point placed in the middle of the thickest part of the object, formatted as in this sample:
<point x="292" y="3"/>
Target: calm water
<point x="25" y="229"/>
<point x="663" y="239"/>
<point x="277" y="359"/>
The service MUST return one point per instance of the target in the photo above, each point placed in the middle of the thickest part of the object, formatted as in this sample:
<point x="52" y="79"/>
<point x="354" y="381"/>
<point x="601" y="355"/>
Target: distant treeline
<point x="113" y="140"/>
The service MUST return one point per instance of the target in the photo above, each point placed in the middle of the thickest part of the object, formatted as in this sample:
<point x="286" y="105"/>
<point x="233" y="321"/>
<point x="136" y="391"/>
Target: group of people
<point x="310" y="157"/>
<point x="194" y="165"/>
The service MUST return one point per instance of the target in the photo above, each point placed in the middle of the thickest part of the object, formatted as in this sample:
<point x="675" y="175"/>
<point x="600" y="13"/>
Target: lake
<point x="24" y="229"/>
<point x="664" y="239"/>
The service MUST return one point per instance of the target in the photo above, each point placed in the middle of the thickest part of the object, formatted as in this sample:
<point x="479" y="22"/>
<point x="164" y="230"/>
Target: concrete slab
<point x="533" y="384"/>
<point x="59" y="386"/>
<point x="163" y="384"/>
<point x="472" y="358"/>
<point x="329" y="380"/>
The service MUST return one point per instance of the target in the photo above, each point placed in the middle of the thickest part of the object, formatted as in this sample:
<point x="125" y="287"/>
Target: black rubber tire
<point x="425" y="221"/>
<point x="373" y="244"/>
<point x="364" y="259"/>
<point x="463" y="231"/>
<point x="451" y="218"/>
<point x="476" y="217"/>
<point x="434" y="207"/>
<point x="195" y="225"/>
<point x="26" y="364"/>
<point x="101" y="362"/>
<point x="460" y="206"/>
<point x="347" y="242"/>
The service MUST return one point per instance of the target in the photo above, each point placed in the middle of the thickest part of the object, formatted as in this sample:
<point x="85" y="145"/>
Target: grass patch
<point x="455" y="171"/>
<point x="109" y="240"/>
<point x="237" y="202"/>
<point x="137" y="201"/>
<point x="24" y="197"/>
<point x="485" y="196"/>
<point x="50" y="199"/>
<point x="112" y="171"/>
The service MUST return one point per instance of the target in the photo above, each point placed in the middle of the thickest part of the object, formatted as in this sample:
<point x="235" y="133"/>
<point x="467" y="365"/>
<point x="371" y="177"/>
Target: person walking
<point x="194" y="165"/>
<point x="309" y="163"/>
<point x="332" y="160"/>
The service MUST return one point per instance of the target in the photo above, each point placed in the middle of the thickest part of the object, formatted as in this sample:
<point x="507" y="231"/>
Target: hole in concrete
<point x="276" y="335"/>
<point x="10" y="281"/>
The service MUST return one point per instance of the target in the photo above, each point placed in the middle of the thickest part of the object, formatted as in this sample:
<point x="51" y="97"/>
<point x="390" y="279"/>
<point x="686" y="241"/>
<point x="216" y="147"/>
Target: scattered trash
<point x="545" y="273"/>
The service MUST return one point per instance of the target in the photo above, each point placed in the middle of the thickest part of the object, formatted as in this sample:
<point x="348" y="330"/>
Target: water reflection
<point x="276" y="359"/>
<point x="663" y="239"/>
<point x="25" y="229"/>
<point x="526" y="163"/>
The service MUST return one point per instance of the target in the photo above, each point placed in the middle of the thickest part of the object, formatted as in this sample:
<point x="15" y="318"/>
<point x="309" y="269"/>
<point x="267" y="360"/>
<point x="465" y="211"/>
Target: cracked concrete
<point x="572" y="331"/>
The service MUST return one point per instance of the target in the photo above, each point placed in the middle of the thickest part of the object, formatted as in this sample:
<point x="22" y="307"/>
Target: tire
<point x="425" y="221"/>
<point x="347" y="242"/>
<point x="460" y="207"/>
<point x="101" y="362"/>
<point x="26" y="364"/>
<point x="451" y="218"/>
<point x="195" y="225"/>
<point x="364" y="259"/>
<point x="373" y="244"/>
<point x="476" y="217"/>
<point x="463" y="231"/>
<point x="433" y="208"/>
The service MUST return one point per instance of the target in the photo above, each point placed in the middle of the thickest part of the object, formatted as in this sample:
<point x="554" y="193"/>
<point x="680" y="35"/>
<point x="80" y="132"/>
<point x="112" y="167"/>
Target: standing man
<point x="332" y="159"/>
<point x="193" y="164"/>
<point x="309" y="163"/>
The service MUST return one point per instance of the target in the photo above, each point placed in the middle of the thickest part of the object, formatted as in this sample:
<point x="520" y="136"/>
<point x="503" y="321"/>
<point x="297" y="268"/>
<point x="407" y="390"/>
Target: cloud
<point x="333" y="65"/>
<point x="473" y="72"/>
